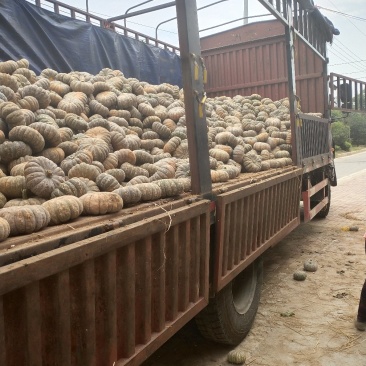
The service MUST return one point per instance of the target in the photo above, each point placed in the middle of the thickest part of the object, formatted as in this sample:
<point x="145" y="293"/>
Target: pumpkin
<point x="28" y="102"/>
<point x="98" y="108"/>
<point x="107" y="98"/>
<point x="226" y="138"/>
<point x="84" y="170"/>
<point x="74" y="186"/>
<point x="149" y="191"/>
<point x="172" y="144"/>
<point x="25" y="219"/>
<point x="310" y="265"/>
<point x="219" y="154"/>
<point x="181" y="152"/>
<point x="2" y="200"/>
<point x="12" y="150"/>
<point x="111" y="161"/>
<point x="82" y="86"/>
<point x="299" y="276"/>
<point x="99" y="132"/>
<point x="76" y="158"/>
<point x="38" y="92"/>
<point x="170" y="187"/>
<point x="219" y="176"/>
<point x="164" y="171"/>
<point x="42" y="176"/>
<point x="71" y="105"/>
<point x="12" y="187"/>
<point x="63" y="209"/>
<point x="18" y="169"/>
<point x="119" y="174"/>
<point x="100" y="203"/>
<point x="236" y="357"/>
<point x="251" y="162"/>
<point x="146" y="109"/>
<point x="66" y="133"/>
<point x="90" y="185"/>
<point x="55" y="154"/>
<point x="106" y="182"/>
<point x="232" y="170"/>
<point x="143" y="157"/>
<point x="50" y="133"/>
<point x="98" y="148"/>
<point x="24" y="201"/>
<point x="129" y="194"/>
<point x="29" y="136"/>
<point x="132" y="171"/>
<point x="59" y="87"/>
<point x="75" y="122"/>
<point x="4" y="229"/>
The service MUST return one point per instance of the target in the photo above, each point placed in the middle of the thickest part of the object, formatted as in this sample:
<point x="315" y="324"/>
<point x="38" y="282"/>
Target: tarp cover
<point x="49" y="40"/>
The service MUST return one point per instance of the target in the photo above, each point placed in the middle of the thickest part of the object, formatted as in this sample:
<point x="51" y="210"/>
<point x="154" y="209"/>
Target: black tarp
<point x="49" y="40"/>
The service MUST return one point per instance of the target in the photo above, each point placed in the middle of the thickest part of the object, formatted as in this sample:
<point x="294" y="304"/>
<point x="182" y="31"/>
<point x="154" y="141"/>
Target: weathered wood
<point x="158" y="282"/>
<point x="126" y="270"/>
<point x="40" y="266"/>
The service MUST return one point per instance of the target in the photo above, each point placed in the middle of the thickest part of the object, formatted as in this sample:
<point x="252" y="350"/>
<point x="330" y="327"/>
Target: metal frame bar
<point x="194" y="96"/>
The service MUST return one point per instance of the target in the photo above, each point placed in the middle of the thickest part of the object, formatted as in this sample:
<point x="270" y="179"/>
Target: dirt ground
<point x="307" y="323"/>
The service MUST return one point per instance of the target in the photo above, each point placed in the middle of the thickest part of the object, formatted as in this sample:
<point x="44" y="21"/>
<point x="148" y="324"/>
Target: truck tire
<point x="229" y="316"/>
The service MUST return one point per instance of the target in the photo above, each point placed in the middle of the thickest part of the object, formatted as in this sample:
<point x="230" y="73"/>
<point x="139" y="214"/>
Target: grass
<point x="353" y="150"/>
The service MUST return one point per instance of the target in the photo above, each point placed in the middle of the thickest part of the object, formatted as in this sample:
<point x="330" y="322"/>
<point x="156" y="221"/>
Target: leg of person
<point x="361" y="315"/>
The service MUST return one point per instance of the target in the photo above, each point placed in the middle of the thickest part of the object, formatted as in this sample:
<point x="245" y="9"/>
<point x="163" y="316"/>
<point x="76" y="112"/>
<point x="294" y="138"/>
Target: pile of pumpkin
<point x="75" y="143"/>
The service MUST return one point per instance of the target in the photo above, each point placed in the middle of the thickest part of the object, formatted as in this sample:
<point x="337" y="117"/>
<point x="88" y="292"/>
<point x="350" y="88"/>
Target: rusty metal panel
<point x="315" y="143"/>
<point x="347" y="94"/>
<point x="252" y="218"/>
<point x="252" y="59"/>
<point x="109" y="299"/>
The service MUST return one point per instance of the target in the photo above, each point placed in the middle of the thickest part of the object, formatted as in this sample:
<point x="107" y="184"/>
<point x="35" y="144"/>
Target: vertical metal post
<point x="290" y="55"/>
<point x="245" y="12"/>
<point x="194" y="95"/>
<point x="326" y="82"/>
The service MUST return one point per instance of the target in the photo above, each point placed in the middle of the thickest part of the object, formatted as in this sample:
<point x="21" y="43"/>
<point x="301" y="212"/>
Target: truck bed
<point x="69" y="293"/>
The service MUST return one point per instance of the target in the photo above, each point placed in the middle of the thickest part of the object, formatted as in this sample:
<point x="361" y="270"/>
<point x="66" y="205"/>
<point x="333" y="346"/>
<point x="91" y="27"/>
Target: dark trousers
<point x="361" y="315"/>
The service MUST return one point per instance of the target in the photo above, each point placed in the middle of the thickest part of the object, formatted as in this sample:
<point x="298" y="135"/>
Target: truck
<point x="110" y="290"/>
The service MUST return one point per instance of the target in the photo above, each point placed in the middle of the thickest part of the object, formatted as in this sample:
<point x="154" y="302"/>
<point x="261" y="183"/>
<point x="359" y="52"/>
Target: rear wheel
<point x="230" y="314"/>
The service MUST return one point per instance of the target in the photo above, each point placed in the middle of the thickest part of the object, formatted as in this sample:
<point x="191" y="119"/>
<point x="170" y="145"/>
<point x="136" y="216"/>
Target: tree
<point x="341" y="135"/>
<point x="357" y="123"/>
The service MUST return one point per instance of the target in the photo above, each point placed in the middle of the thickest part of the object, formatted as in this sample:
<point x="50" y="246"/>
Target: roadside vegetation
<point x="349" y="132"/>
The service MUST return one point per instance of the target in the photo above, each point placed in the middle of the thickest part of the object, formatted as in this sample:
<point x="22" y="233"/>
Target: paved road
<point x="350" y="164"/>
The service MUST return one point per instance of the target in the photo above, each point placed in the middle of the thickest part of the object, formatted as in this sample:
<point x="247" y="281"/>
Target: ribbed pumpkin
<point x="2" y="200"/>
<point x="84" y="170"/>
<point x="12" y="150"/>
<point x="63" y="209"/>
<point x="130" y="194"/>
<point x="29" y="136"/>
<point x="106" y="182"/>
<point x="4" y="229"/>
<point x="25" y="219"/>
<point x="74" y="187"/>
<point x="43" y="176"/>
<point x="50" y="133"/>
<point x="100" y="203"/>
<point x="149" y="191"/>
<point x="170" y="187"/>
<point x="12" y="187"/>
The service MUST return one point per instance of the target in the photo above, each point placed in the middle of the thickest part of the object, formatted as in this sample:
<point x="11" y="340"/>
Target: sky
<point x="347" y="53"/>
